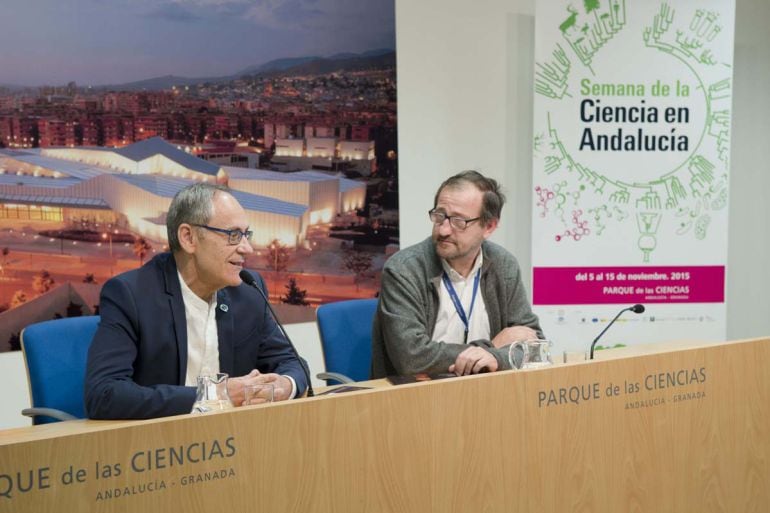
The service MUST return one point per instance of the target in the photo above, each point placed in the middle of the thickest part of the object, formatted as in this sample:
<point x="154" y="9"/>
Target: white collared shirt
<point x="202" y="335"/>
<point x="449" y="327"/>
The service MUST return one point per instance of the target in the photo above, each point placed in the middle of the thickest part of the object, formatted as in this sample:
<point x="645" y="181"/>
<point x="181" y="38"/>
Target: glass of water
<point x="530" y="354"/>
<point x="258" y="394"/>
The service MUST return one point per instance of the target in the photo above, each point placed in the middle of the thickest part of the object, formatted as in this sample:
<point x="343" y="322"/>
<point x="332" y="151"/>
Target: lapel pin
<point x="223" y="308"/>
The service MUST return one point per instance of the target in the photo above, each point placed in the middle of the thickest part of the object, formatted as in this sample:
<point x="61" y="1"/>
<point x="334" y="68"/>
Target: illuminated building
<point x="324" y="153"/>
<point x="132" y="187"/>
<point x="324" y="195"/>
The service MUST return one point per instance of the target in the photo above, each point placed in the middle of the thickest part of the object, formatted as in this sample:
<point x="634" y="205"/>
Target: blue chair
<point x="55" y="354"/>
<point x="346" y="338"/>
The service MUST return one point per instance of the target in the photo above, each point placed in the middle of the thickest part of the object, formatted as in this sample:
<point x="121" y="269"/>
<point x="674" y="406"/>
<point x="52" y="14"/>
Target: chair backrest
<point x="55" y="353"/>
<point x="346" y="336"/>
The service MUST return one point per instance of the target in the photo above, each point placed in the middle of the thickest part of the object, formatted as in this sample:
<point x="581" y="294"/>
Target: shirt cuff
<point x="293" y="393"/>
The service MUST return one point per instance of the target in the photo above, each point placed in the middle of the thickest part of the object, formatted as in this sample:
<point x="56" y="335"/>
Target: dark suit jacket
<point x="138" y="359"/>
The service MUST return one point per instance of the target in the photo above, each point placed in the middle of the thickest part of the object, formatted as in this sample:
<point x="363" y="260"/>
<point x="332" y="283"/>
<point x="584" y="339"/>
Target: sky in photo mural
<point x="108" y="108"/>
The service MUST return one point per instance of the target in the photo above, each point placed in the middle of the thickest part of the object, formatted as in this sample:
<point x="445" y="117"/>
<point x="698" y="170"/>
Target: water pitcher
<point x="530" y="354"/>
<point x="212" y="394"/>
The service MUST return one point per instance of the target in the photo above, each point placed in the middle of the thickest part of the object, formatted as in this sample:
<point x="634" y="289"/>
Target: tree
<point x="277" y="256"/>
<point x="358" y="262"/>
<point x="19" y="298"/>
<point x="43" y="282"/>
<point x="74" y="310"/>
<point x="15" y="341"/>
<point x="294" y="294"/>
<point x="141" y="248"/>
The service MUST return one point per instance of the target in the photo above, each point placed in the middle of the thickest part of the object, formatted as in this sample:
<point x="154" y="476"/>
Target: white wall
<point x="748" y="272"/>
<point x="465" y="101"/>
<point x="13" y="383"/>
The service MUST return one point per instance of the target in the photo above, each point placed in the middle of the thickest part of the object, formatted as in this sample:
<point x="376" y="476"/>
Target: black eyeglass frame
<point x="453" y="220"/>
<point x="234" y="237"/>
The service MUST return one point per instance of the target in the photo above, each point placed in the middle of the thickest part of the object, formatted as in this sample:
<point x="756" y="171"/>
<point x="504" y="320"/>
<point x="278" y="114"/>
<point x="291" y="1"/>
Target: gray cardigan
<point x="402" y="334"/>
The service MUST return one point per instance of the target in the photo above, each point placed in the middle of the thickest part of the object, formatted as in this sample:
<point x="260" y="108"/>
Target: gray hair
<point x="493" y="201"/>
<point x="191" y="205"/>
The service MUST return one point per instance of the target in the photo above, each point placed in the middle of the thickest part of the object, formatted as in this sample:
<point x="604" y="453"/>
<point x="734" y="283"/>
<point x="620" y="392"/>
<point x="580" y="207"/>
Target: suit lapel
<point x="176" y="305"/>
<point x="225" y="329"/>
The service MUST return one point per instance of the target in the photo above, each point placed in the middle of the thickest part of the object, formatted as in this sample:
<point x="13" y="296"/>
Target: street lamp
<point x="108" y="236"/>
<point x="274" y="247"/>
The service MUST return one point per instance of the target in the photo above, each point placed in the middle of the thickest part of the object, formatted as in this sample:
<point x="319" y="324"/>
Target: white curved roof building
<point x="133" y="187"/>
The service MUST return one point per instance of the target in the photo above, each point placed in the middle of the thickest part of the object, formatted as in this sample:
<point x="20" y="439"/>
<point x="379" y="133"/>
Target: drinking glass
<point x="575" y="356"/>
<point x="258" y="394"/>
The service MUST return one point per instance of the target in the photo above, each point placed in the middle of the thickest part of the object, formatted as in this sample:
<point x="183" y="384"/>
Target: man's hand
<point x="472" y="361"/>
<point x="281" y="385"/>
<point x="513" y="334"/>
<point x="235" y="386"/>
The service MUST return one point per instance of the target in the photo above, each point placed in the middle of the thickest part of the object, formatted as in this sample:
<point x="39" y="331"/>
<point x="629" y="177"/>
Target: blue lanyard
<point x="456" y="300"/>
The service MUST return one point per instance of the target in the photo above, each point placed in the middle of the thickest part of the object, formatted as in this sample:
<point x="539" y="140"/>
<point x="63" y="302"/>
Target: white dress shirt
<point x="449" y="326"/>
<point x="202" y="336"/>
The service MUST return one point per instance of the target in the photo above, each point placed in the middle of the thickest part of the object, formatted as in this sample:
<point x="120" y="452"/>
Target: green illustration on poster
<point x="632" y="141"/>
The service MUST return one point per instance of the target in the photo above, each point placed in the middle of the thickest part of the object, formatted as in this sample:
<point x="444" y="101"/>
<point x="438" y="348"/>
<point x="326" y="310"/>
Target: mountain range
<point x="372" y="59"/>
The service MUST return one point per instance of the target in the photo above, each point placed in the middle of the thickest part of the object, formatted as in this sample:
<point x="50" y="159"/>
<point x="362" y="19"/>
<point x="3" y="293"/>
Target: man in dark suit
<point x="184" y="314"/>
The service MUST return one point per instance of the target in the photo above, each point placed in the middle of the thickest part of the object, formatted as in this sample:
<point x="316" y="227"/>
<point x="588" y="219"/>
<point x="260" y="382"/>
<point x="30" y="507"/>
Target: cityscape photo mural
<point x="107" y="109"/>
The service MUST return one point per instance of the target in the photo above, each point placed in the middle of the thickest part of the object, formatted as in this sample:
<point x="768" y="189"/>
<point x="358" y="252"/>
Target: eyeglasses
<point x="234" y="237"/>
<point x="457" y="222"/>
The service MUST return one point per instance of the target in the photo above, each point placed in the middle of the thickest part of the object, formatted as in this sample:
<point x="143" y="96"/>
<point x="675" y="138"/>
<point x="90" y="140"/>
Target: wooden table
<point x="681" y="429"/>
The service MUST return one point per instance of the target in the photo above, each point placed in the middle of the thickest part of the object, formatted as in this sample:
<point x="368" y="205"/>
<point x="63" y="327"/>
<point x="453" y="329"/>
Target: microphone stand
<point x="249" y="279"/>
<point x="636" y="309"/>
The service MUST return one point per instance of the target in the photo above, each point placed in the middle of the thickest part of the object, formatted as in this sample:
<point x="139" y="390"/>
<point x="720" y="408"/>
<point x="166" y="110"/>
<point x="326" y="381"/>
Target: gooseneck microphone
<point x="249" y="279"/>
<point x="637" y="309"/>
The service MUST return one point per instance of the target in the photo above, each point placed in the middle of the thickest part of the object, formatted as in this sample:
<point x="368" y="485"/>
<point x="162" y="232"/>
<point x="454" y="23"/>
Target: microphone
<point x="637" y="309"/>
<point x="249" y="279"/>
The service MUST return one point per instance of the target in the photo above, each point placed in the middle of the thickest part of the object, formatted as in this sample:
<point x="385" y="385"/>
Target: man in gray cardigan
<point x="455" y="301"/>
